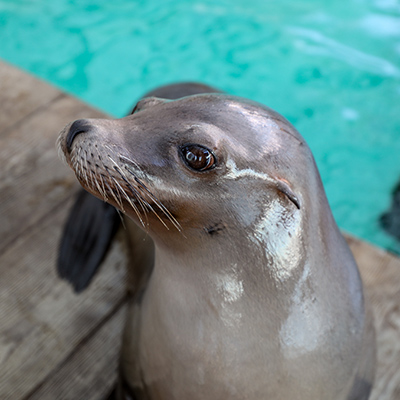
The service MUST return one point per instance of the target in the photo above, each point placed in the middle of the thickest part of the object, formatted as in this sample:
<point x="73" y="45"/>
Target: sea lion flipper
<point x="88" y="233"/>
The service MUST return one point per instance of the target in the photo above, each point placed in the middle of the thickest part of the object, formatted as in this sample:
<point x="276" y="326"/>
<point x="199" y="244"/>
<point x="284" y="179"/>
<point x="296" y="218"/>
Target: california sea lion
<point x="248" y="289"/>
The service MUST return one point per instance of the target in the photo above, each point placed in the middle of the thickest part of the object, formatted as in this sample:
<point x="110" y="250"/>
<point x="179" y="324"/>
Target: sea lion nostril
<point x="77" y="127"/>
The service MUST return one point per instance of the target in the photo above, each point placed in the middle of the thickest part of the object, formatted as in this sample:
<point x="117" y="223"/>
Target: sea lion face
<point x="197" y="165"/>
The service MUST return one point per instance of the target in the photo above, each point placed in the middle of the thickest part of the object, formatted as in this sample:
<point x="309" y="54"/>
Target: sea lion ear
<point x="284" y="187"/>
<point x="148" y="102"/>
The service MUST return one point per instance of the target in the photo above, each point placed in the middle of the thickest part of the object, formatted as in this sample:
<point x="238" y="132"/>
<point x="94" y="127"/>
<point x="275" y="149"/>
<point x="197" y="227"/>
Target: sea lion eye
<point x="197" y="157"/>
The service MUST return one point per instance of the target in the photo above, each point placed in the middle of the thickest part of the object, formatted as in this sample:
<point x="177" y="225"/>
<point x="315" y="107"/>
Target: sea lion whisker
<point x="92" y="183"/>
<point x="106" y="146"/>
<point x="155" y="213"/>
<point x="103" y="195"/>
<point x="121" y="157"/>
<point x="121" y="217"/>
<point x="118" y="194"/>
<point x="166" y="212"/>
<point x="137" y="195"/>
<point x="129" y="161"/>
<point x="78" y="168"/>
<point x="125" y="195"/>
<point x="76" y="161"/>
<point x="84" y="158"/>
<point x="125" y="178"/>
<point x="164" y="209"/>
<point x="159" y="218"/>
<point x="90" y="172"/>
<point x="145" y="225"/>
<point x="111" y="190"/>
<point x="103" y="187"/>
<point x="118" y="169"/>
<point x="161" y="206"/>
<point x="73" y="160"/>
<point x="84" y="169"/>
<point x="101" y="177"/>
<point x="134" y="191"/>
<point x="95" y="184"/>
<point x="143" y="203"/>
<point x="80" y="172"/>
<point x="115" y="194"/>
<point x="140" y="198"/>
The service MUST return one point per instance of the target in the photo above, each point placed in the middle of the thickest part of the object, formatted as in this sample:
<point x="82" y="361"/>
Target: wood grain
<point x="21" y="95"/>
<point x="41" y="320"/>
<point x="91" y="369"/>
<point x="33" y="179"/>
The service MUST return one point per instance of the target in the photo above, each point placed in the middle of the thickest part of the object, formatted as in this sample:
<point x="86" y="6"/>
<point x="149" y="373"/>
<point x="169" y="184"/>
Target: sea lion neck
<point x="275" y="245"/>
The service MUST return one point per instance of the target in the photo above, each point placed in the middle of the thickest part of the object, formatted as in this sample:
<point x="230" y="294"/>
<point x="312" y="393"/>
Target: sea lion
<point x="247" y="289"/>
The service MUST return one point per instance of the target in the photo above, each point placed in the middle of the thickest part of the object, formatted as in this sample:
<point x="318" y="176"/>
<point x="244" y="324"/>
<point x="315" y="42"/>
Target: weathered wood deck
<point x="53" y="344"/>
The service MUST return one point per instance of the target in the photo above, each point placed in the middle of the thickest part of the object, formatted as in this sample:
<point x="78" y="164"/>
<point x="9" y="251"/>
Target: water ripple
<point x="313" y="42"/>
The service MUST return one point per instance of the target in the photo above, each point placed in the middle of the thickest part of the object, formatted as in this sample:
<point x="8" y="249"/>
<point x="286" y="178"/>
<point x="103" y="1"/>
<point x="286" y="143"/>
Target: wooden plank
<point x="381" y="275"/>
<point x="33" y="180"/>
<point x="21" y="95"/>
<point x="41" y="320"/>
<point x="91" y="371"/>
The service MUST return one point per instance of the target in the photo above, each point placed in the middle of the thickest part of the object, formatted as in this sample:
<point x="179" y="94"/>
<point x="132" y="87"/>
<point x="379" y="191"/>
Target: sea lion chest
<point x="213" y="336"/>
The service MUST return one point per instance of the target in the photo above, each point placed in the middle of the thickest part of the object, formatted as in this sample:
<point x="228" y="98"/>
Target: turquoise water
<point x="331" y="67"/>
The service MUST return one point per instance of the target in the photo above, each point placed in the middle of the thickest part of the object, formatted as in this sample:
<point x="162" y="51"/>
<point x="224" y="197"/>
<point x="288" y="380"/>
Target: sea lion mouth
<point x="114" y="178"/>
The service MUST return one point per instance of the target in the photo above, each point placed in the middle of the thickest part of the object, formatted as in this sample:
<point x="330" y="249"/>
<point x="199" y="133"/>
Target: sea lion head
<point x="195" y="166"/>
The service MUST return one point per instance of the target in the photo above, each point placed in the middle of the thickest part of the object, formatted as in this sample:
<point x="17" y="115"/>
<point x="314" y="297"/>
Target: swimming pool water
<point x="331" y="67"/>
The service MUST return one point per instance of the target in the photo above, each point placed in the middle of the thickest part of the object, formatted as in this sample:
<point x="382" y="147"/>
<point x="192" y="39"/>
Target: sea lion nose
<point x="77" y="127"/>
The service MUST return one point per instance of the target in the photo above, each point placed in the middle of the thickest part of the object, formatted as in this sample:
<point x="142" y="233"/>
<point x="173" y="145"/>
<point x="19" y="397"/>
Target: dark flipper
<point x="390" y="221"/>
<point x="92" y="224"/>
<point x="88" y="233"/>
